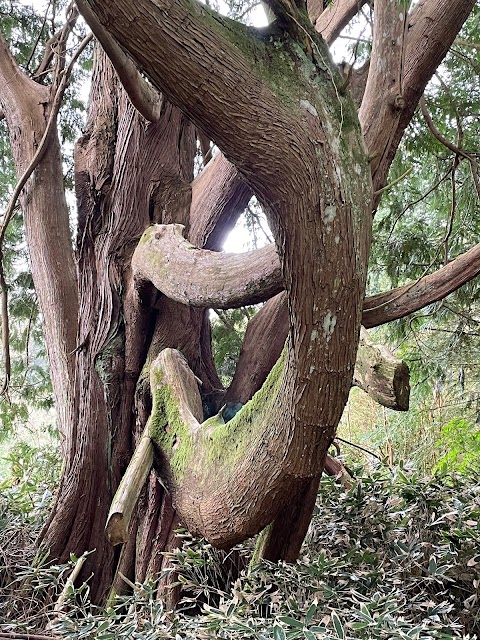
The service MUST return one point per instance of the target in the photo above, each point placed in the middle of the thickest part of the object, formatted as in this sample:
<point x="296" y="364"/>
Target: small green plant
<point x="26" y="578"/>
<point x="394" y="557"/>
<point x="460" y="442"/>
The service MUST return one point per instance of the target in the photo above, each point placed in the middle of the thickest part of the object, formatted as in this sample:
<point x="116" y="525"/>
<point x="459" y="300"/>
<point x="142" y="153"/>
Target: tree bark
<point x="115" y="205"/>
<point x="203" y="278"/>
<point x="331" y="322"/>
<point x="26" y="105"/>
<point x="276" y="107"/>
<point x="323" y="334"/>
<point x="432" y="28"/>
<point x="336" y="17"/>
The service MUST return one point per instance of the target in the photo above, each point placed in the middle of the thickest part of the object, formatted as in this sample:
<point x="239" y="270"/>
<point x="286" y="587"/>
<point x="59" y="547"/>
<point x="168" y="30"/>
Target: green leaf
<point x="291" y="622"/>
<point x="338" y="626"/>
<point x="310" y="613"/>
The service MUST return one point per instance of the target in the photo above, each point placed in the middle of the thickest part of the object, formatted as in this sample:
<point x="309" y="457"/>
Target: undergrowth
<point x="393" y="557"/>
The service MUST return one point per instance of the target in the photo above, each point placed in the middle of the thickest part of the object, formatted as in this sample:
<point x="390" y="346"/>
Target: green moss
<point x="259" y="546"/>
<point x="168" y="430"/>
<point x="219" y="443"/>
<point x="226" y="443"/>
<point x="146" y="236"/>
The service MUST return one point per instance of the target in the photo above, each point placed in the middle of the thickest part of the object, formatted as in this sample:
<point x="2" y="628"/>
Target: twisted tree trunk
<point x="279" y="110"/>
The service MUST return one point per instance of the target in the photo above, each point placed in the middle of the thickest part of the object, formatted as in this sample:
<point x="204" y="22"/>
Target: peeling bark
<point x="113" y="328"/>
<point x="275" y="106"/>
<point x="327" y="364"/>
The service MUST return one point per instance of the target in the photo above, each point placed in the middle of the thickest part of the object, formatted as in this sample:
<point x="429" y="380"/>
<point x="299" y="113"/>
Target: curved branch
<point x="147" y="100"/>
<point x="213" y="470"/>
<point x="204" y="278"/>
<point x="210" y="279"/>
<point x="234" y="104"/>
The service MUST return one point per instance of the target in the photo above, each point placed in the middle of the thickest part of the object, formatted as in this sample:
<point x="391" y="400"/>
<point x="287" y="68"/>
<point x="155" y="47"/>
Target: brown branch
<point x="383" y="97"/>
<point x="56" y="103"/>
<point x="432" y="28"/>
<point x="204" y="278"/>
<point x="242" y="102"/>
<point x="58" y="38"/>
<point x="314" y="9"/>
<point x="465" y="43"/>
<point x="10" y="210"/>
<point x="37" y="40"/>
<point x="377" y="371"/>
<point x="247" y="278"/>
<point x="336" y="17"/>
<point x="5" y="327"/>
<point x="147" y="100"/>
<point x="357" y="446"/>
<point x="336" y="469"/>
<point x="404" y="300"/>
<point x="219" y="196"/>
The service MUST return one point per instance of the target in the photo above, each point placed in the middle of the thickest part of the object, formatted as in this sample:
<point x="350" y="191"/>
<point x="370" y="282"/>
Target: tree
<point x="125" y="318"/>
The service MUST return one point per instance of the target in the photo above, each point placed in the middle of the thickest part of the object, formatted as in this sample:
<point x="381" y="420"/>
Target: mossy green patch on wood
<point x="168" y="429"/>
<point x="226" y="443"/>
<point x="214" y="443"/>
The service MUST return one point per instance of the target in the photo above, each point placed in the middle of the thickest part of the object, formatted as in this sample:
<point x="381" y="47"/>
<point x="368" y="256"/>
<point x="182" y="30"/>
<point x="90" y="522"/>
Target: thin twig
<point x="357" y="446"/>
<point x="37" y="40"/>
<point x="5" y="327"/>
<point x="415" y="202"/>
<point x="465" y="43"/>
<point x="452" y="210"/>
<point x="392" y="184"/>
<point x="449" y="145"/>
<point x="224" y="318"/>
